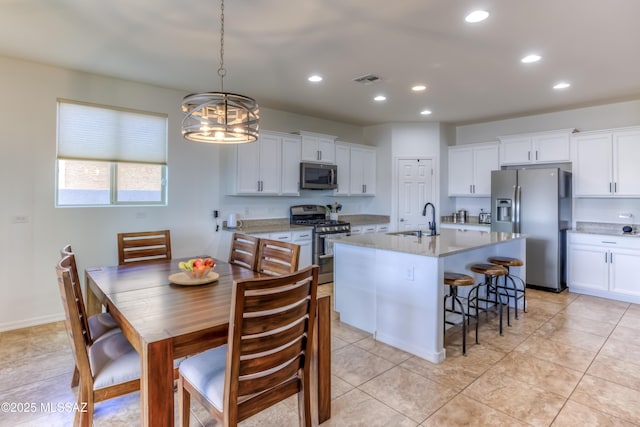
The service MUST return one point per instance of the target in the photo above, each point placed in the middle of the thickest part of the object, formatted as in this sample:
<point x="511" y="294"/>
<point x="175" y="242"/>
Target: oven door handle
<point x="325" y="256"/>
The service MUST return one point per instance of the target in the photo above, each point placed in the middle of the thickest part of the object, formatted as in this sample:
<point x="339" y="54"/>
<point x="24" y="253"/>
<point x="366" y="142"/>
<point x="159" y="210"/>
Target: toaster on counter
<point x="484" y="218"/>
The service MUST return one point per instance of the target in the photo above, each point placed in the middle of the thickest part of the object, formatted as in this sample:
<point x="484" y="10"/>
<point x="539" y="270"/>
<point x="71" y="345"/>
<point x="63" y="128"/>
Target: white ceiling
<point x="473" y="72"/>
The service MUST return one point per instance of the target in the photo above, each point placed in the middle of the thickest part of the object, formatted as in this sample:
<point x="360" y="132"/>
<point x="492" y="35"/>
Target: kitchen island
<point x="391" y="285"/>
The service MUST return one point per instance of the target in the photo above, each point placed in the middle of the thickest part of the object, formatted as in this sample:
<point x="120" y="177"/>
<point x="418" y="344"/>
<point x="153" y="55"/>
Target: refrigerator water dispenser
<point x="503" y="209"/>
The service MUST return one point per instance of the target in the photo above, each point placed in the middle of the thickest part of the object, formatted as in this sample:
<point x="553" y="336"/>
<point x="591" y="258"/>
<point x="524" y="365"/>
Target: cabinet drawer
<point x="367" y="229"/>
<point x="302" y="235"/>
<point x="356" y="230"/>
<point x="284" y="236"/>
<point x="605" y="240"/>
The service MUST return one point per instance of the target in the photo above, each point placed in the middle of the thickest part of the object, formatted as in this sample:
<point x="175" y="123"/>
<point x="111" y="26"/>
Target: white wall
<point x="407" y="140"/>
<point x="29" y="251"/>
<point x="589" y="118"/>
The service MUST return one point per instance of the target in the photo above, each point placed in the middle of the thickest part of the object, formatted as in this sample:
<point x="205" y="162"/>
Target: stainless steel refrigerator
<point x="535" y="202"/>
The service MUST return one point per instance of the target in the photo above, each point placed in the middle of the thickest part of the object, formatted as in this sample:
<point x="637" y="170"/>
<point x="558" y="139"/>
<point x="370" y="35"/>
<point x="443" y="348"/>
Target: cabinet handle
<point x="536" y="154"/>
<point x="528" y="155"/>
<point x="474" y="189"/>
<point x="605" y="258"/>
<point x="470" y="188"/>
<point x="615" y="187"/>
<point x="610" y="188"/>
<point x="611" y="257"/>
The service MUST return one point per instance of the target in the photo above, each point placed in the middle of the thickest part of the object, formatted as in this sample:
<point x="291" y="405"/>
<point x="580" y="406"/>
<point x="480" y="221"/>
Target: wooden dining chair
<point x="244" y="250"/>
<point x="98" y="325"/>
<point x="276" y="258"/>
<point x="109" y="366"/>
<point x="144" y="247"/>
<point x="268" y="355"/>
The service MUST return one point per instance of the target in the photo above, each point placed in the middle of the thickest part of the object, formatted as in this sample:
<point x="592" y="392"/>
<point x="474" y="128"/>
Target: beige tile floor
<point x="572" y="360"/>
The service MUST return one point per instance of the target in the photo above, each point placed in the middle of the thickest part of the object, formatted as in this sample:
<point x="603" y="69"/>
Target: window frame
<point x="113" y="164"/>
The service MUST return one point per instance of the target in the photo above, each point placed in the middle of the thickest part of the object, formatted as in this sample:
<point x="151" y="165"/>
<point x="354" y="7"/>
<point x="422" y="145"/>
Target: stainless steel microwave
<point x="318" y="176"/>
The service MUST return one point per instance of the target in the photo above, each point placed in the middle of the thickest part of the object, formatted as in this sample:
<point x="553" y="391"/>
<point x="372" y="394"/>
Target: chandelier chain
<point x="222" y="71"/>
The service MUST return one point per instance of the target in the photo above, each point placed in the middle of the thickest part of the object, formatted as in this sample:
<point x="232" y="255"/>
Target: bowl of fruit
<point x="197" y="268"/>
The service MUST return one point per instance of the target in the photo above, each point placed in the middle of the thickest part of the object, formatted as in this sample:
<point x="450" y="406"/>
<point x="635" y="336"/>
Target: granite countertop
<point x="605" y="228"/>
<point x="449" y="241"/>
<point x="363" y="219"/>
<point x="270" y="225"/>
<point x="274" y="225"/>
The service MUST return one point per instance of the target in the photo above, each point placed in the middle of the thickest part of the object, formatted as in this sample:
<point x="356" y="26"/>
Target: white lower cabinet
<point x="604" y="265"/>
<point x="304" y="238"/>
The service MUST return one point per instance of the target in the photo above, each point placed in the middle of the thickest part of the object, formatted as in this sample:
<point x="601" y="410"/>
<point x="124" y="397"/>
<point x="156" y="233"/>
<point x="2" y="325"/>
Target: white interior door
<point x="415" y="188"/>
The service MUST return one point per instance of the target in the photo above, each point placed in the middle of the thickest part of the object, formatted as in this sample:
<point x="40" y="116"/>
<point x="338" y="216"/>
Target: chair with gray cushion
<point x="267" y="358"/>
<point x="109" y="367"/>
<point x="98" y="325"/>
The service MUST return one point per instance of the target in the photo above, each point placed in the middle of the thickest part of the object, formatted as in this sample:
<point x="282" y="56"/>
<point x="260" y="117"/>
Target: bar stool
<point x="519" y="293"/>
<point x="454" y="280"/>
<point x="491" y="273"/>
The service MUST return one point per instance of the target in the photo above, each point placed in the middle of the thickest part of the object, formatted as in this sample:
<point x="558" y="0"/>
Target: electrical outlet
<point x="409" y="273"/>
<point x="20" y="219"/>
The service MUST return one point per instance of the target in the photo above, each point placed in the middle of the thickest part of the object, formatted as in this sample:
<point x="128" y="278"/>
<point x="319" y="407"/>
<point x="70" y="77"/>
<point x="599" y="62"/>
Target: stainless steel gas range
<point x="323" y="232"/>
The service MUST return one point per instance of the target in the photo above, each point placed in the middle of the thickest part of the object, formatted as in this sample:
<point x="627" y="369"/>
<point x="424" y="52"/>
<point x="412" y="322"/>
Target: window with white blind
<point x="110" y="156"/>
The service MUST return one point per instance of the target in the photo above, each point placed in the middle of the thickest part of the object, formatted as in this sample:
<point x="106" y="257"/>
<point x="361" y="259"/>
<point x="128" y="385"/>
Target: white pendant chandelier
<point x="220" y="117"/>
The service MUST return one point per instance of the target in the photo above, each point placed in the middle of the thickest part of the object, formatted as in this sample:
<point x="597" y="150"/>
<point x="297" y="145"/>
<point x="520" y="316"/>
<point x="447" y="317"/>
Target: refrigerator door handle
<point x="517" y="198"/>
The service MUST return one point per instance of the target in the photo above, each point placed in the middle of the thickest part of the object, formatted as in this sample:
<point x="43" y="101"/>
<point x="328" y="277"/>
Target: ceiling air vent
<point x="367" y="79"/>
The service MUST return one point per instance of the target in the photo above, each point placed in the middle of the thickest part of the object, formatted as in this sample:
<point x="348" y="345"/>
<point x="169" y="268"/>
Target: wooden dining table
<point x="164" y="322"/>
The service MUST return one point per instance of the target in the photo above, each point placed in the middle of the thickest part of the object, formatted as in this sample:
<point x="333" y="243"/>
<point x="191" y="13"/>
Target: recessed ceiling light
<point x="531" y="58"/>
<point x="562" y="85"/>
<point x="315" y="78"/>
<point x="425" y="112"/>
<point x="418" y="88"/>
<point x="380" y="98"/>
<point x="477" y="16"/>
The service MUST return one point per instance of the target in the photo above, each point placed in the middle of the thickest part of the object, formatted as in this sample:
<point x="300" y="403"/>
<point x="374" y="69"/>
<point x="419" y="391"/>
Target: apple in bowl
<point x="197" y="268"/>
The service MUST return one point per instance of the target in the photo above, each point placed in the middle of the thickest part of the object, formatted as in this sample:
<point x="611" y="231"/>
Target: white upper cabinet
<point x="356" y="170"/>
<point x="343" y="157"/>
<point x="258" y="169"/>
<point x="291" y="151"/>
<point x="363" y="171"/>
<point x="470" y="169"/>
<point x="539" y="147"/>
<point x="605" y="163"/>
<point x="318" y="148"/>
<point x="268" y="167"/>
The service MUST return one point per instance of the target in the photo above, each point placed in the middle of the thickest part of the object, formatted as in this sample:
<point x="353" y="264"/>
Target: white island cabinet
<point x="391" y="285"/>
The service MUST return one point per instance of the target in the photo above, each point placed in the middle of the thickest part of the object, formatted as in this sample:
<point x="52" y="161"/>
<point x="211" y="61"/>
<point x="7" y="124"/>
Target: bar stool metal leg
<point x="491" y="273"/>
<point x="454" y="280"/>
<point x="518" y="287"/>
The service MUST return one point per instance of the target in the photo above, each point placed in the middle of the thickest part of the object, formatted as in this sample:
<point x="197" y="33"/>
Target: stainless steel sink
<point x="408" y="233"/>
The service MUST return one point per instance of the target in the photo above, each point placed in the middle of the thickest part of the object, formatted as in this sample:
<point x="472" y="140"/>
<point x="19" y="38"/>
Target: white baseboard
<point x="25" y="323"/>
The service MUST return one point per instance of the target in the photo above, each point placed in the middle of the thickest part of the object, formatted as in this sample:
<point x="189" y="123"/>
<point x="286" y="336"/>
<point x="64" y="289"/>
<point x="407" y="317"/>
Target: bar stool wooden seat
<point x="491" y="273"/>
<point x="455" y="280"/>
<point x="518" y="286"/>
